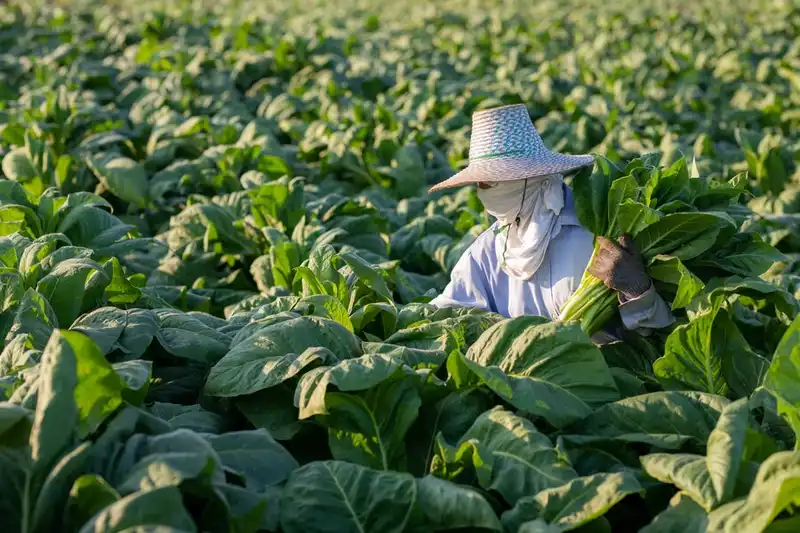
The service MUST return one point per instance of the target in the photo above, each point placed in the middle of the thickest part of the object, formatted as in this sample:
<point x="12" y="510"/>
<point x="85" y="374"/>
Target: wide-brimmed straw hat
<point x="505" y="146"/>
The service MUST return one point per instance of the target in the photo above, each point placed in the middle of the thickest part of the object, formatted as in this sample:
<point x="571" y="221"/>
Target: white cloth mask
<point x="527" y="213"/>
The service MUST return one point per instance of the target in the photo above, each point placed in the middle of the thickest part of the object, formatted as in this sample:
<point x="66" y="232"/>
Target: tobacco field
<point x="217" y="249"/>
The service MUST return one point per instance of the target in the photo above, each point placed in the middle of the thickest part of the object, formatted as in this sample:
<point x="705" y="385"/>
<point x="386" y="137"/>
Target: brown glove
<point x="621" y="267"/>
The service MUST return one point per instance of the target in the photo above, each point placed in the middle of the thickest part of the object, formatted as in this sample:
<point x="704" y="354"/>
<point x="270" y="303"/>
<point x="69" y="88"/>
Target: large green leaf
<point x="710" y="481"/>
<point x="444" y="418"/>
<point x="186" y="335"/>
<point x="355" y="374"/>
<point x="666" y="420"/>
<point x="672" y="270"/>
<point x="162" y="506"/>
<point x="670" y="233"/>
<point x="690" y="360"/>
<point x="18" y="166"/>
<point x="104" y="326"/>
<point x="783" y="375"/>
<point x="509" y="456"/>
<point x="777" y="487"/>
<point x="66" y="284"/>
<point x="591" y="196"/>
<point x="125" y="178"/>
<point x="169" y="459"/>
<point x="573" y="504"/>
<point x="446" y="506"/>
<point x="191" y="417"/>
<point x="255" y="457"/>
<point x="136" y="376"/>
<point x="35" y="317"/>
<point x="334" y="496"/>
<point x="371" y="428"/>
<point x="278" y="351"/>
<point x="77" y="390"/>
<point x="548" y="369"/>
<point x="683" y="514"/>
<point x="366" y="273"/>
<point x="90" y="494"/>
<point x="330" y="496"/>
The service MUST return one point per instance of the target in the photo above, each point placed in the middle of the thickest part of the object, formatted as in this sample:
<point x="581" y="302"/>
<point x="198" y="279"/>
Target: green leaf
<point x="140" y="329"/>
<point x="34" y="317"/>
<point x="444" y="420"/>
<point x="683" y="514"/>
<point x="272" y="409"/>
<point x="90" y="494"/>
<point x="777" y="487"/>
<point x="329" y="307"/>
<point x="320" y="264"/>
<point x="104" y="326"/>
<point x="53" y="493"/>
<point x="15" y="467"/>
<point x="326" y="496"/>
<point x="185" y="335"/>
<point x="783" y="374"/>
<point x="742" y="368"/>
<point x="277" y="352"/>
<point x="136" y="375"/>
<point x="65" y="286"/>
<point x="386" y="312"/>
<point x="548" y="369"/>
<point x="575" y="503"/>
<point x="162" y="506"/>
<point x="666" y="420"/>
<point x="633" y="217"/>
<point x="18" y="166"/>
<point x="255" y="457"/>
<point x="710" y="481"/>
<point x="15" y="425"/>
<point x="169" y="459"/>
<point x="191" y="417"/>
<point x="726" y="448"/>
<point x="672" y="270"/>
<point x="124" y="177"/>
<point x="416" y="358"/>
<point x="745" y="255"/>
<point x="753" y="288"/>
<point x="447" y="506"/>
<point x="120" y="290"/>
<point x="408" y="171"/>
<point x="78" y="389"/>
<point x="367" y="274"/>
<point x="621" y="190"/>
<point x="371" y="428"/>
<point x="690" y="359"/>
<point x="353" y="374"/>
<point x="671" y="232"/>
<point x="591" y="194"/>
<point x="509" y="455"/>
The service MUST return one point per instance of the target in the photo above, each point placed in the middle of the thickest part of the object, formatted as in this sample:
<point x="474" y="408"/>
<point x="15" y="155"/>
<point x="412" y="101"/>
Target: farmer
<point x="532" y="258"/>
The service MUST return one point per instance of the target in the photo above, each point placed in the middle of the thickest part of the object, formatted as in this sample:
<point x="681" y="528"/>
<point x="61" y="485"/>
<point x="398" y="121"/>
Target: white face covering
<point x="522" y="243"/>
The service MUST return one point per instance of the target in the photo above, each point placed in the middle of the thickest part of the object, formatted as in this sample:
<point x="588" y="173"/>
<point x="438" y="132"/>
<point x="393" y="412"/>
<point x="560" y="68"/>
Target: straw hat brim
<point x="514" y="168"/>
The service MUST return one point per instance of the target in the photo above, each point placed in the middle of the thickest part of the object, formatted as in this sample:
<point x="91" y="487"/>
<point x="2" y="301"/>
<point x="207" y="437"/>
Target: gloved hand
<point x="621" y="267"/>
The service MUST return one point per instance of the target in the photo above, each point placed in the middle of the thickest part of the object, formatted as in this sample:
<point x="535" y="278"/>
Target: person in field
<point x="532" y="258"/>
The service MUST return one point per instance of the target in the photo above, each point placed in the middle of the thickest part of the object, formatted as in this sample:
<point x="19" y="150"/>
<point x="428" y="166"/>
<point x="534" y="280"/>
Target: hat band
<point x="504" y="154"/>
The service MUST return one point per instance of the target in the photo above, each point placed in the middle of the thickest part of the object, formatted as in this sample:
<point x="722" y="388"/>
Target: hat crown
<point x="505" y="131"/>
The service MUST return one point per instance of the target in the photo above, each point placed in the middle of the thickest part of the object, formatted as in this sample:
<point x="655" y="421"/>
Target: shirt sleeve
<point x="467" y="287"/>
<point x="646" y="312"/>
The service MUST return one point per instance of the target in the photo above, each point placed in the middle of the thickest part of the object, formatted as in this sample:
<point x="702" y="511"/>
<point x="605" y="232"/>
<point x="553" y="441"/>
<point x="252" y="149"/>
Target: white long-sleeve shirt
<point x="478" y="281"/>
